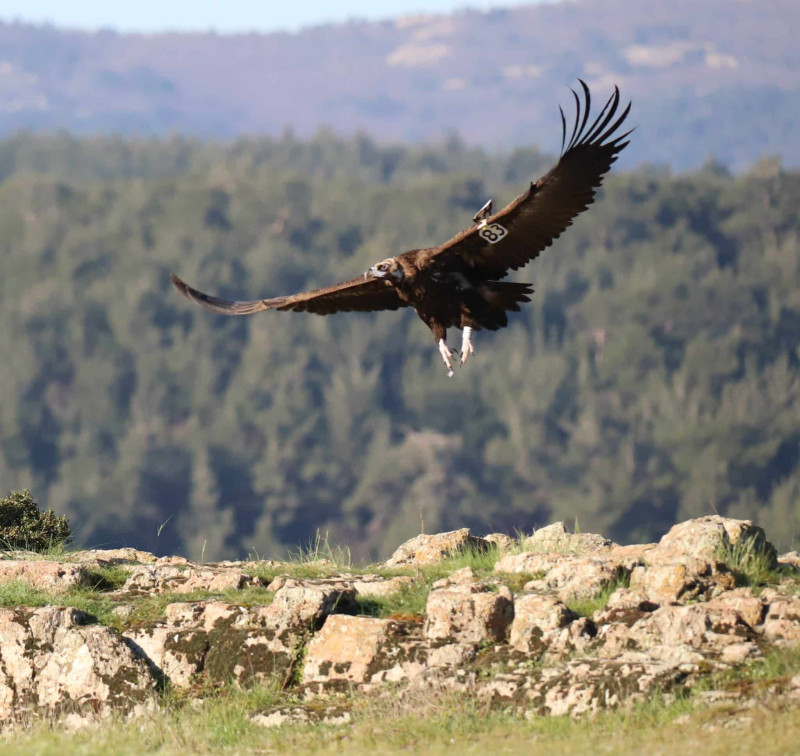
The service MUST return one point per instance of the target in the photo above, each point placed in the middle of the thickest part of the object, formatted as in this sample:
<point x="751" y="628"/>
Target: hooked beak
<point x="371" y="273"/>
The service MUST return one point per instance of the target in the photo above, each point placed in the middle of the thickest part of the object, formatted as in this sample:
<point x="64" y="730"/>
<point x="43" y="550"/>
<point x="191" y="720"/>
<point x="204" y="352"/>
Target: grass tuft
<point x="407" y="603"/>
<point x="751" y="565"/>
<point x="320" y="550"/>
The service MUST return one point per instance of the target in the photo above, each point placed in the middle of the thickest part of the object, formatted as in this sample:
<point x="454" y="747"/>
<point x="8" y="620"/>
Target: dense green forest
<point x="654" y="376"/>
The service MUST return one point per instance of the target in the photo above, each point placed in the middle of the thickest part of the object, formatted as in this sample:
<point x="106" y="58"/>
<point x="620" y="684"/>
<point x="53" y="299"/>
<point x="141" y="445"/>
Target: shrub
<point x="23" y="526"/>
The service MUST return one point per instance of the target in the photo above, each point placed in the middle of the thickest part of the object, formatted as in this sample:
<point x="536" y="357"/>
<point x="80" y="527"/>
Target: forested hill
<point x="653" y="378"/>
<point x="708" y="77"/>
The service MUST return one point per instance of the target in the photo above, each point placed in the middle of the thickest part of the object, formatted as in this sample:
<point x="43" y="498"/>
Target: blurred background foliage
<point x="654" y="376"/>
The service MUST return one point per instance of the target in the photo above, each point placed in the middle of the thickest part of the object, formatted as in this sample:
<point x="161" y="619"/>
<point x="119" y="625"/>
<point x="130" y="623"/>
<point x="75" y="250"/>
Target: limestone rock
<point x="580" y="577"/>
<point x="530" y="562"/>
<point x="464" y="576"/>
<point x="468" y="614"/>
<point x="790" y="561"/>
<point x="625" y="598"/>
<point x="56" y="577"/>
<point x="687" y="580"/>
<point x="175" y="578"/>
<point x="373" y="586"/>
<point x="536" y="617"/>
<point x="501" y="541"/>
<point x="555" y="539"/>
<point x="585" y="685"/>
<point x="698" y="626"/>
<point x="50" y="659"/>
<point x="430" y="549"/>
<point x="348" y="648"/>
<point x="782" y="621"/>
<point x="748" y="607"/>
<point x="113" y="557"/>
<point x="223" y="641"/>
<point x="298" y="605"/>
<point x="705" y="538"/>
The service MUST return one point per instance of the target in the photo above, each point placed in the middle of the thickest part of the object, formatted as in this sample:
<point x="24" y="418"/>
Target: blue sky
<point x="223" y="15"/>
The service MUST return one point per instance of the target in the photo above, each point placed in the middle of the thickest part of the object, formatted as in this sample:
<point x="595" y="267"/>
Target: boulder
<point x="586" y="685"/>
<point x="706" y="539"/>
<point x="699" y="626"/>
<point x="430" y="549"/>
<point x="52" y="660"/>
<point x="580" y="577"/>
<point x="537" y="617"/>
<point x="299" y="606"/>
<point x="373" y="586"/>
<point x="500" y="541"/>
<point x="349" y="648"/>
<point x="176" y="578"/>
<point x="221" y="641"/>
<point x="529" y="563"/>
<point x="782" y="620"/>
<point x="790" y="561"/>
<point x="468" y="614"/>
<point x="554" y="539"/>
<point x="686" y="580"/>
<point x="55" y="577"/>
<point x="113" y="557"/>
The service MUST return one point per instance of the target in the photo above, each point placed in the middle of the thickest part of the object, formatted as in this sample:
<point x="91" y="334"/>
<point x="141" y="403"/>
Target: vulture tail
<point x="505" y="294"/>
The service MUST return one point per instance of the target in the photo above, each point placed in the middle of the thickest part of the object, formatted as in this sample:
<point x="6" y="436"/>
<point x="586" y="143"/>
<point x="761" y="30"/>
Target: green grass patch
<point x="751" y="565"/>
<point x="777" y="667"/>
<point x="516" y="580"/>
<point x="19" y="593"/>
<point x="108" y="578"/>
<point x="421" y="721"/>
<point x="100" y="605"/>
<point x="409" y="601"/>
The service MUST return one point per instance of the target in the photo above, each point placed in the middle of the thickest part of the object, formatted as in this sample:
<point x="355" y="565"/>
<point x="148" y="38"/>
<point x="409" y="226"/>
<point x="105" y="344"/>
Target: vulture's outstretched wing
<point x="520" y="231"/>
<point x="358" y="294"/>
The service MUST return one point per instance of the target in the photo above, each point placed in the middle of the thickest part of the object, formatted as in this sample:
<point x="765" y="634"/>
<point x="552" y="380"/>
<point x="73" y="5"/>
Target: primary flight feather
<point x="457" y="283"/>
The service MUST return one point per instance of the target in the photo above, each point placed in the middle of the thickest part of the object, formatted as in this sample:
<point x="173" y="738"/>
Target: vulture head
<point x="389" y="269"/>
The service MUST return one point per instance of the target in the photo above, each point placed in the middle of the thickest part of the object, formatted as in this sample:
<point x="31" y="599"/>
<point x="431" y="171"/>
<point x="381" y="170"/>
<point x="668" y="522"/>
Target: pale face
<point x="388" y="268"/>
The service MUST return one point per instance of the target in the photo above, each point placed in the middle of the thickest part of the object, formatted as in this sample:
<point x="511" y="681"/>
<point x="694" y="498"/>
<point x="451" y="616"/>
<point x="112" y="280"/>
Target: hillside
<point x="653" y="377"/>
<point x="708" y="78"/>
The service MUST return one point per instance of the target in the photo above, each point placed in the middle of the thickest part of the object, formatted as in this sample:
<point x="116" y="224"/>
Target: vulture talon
<point x="447" y="356"/>
<point x="466" y="344"/>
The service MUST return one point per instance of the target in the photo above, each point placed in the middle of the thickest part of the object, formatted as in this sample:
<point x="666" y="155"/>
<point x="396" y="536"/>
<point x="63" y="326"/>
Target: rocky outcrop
<point x="429" y="549"/>
<point x="45" y="576"/>
<point x="215" y="641"/>
<point x="162" y="578"/>
<point x="564" y="623"/>
<point x="555" y="539"/>
<point x="470" y="613"/>
<point x="52" y="660"/>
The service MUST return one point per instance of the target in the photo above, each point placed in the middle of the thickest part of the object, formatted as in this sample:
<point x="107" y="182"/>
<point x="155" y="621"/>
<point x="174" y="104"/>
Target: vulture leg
<point x="466" y="344"/>
<point x="447" y="356"/>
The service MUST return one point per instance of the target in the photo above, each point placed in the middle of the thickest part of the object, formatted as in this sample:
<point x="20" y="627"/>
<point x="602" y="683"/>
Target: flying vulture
<point x="457" y="284"/>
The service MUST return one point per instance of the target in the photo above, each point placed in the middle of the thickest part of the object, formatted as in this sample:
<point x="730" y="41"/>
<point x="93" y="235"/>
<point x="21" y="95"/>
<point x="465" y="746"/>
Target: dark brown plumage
<point x="457" y="283"/>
